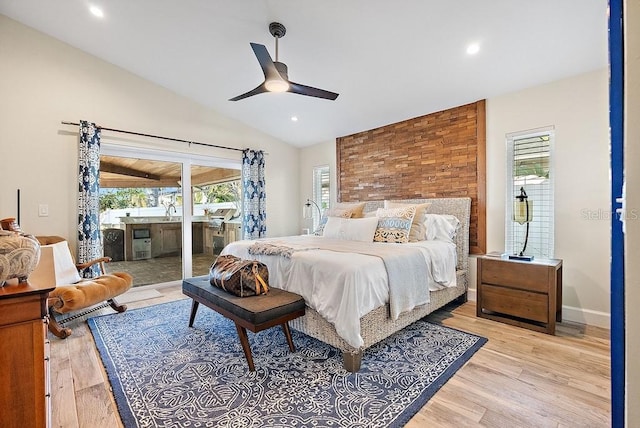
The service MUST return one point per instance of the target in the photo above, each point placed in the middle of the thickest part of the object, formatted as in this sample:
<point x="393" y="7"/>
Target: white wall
<point x="632" y="238"/>
<point x="45" y="81"/>
<point x="578" y="108"/>
<point x="317" y="155"/>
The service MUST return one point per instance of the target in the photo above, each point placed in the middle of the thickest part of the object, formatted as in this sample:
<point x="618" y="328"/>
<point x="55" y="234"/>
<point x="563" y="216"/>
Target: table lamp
<point x="523" y="213"/>
<point x="307" y="211"/>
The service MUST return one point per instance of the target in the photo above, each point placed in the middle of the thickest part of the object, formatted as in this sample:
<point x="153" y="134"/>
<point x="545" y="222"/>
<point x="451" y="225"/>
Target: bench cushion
<point x="255" y="309"/>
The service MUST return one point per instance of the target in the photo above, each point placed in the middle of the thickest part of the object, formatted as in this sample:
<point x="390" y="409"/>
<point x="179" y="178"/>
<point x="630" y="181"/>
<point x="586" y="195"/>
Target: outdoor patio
<point x="161" y="269"/>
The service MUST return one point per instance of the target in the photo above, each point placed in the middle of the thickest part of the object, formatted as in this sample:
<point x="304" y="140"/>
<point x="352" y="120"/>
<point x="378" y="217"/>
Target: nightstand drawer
<point x="523" y="276"/>
<point x="517" y="303"/>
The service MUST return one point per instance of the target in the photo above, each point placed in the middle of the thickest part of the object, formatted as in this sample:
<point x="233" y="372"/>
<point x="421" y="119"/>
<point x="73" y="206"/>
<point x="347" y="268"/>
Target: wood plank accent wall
<point x="434" y="156"/>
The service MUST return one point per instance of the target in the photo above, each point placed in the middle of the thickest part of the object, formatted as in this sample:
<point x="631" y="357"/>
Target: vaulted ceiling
<point x="388" y="60"/>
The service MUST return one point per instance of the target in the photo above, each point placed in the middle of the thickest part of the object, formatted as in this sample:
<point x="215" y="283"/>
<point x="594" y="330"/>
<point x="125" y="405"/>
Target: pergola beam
<point x="123" y="170"/>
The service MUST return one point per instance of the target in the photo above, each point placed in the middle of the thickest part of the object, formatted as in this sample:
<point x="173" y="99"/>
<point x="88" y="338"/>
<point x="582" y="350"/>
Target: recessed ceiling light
<point x="96" y="11"/>
<point x="473" y="48"/>
<point x="294" y="118"/>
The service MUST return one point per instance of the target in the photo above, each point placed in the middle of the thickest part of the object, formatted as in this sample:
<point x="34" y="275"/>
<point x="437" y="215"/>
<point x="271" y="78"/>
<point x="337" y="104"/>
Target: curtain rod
<point x="157" y="136"/>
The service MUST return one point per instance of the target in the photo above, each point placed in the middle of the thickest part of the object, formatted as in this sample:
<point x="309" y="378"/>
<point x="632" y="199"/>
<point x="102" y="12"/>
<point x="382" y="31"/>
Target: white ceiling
<point x="388" y="60"/>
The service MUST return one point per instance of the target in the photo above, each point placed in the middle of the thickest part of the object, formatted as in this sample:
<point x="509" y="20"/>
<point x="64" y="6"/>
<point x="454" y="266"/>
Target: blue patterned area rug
<point x="165" y="374"/>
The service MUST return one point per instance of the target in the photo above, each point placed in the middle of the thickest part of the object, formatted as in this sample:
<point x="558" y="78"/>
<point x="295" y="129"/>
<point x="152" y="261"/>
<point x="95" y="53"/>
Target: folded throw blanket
<point x="275" y="248"/>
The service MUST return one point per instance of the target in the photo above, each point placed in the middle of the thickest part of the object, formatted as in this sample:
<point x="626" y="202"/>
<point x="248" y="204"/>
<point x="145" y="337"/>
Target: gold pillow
<point x="356" y="208"/>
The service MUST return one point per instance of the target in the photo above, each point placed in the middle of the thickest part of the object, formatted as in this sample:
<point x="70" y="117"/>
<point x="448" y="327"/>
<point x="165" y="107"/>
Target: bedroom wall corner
<point x="323" y="153"/>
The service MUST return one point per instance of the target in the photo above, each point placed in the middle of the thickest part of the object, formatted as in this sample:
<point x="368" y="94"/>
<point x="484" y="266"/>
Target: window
<point x="321" y="191"/>
<point x="530" y="167"/>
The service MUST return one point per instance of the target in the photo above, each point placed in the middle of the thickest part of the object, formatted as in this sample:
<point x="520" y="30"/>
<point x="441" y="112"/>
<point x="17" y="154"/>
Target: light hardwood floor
<point x="519" y="378"/>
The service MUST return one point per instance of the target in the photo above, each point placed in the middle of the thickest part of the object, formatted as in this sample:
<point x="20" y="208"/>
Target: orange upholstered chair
<point x="73" y="293"/>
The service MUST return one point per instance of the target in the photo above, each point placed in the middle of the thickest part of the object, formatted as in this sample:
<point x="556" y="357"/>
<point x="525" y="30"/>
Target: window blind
<point x="321" y="191"/>
<point x="529" y="166"/>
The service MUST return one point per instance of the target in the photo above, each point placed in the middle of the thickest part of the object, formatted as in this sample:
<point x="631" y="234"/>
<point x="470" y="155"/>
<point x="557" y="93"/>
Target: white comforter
<point x="343" y="286"/>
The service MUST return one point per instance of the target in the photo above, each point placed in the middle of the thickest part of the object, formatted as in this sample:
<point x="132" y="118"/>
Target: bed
<point x="360" y="313"/>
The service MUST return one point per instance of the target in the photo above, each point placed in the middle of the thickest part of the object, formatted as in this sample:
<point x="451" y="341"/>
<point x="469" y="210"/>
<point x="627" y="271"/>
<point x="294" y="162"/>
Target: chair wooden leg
<point x="56" y="328"/>
<point x="116" y="307"/>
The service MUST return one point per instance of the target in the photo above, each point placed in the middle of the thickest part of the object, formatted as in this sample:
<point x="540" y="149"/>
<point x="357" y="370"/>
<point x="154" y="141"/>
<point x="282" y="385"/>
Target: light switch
<point x="43" y="210"/>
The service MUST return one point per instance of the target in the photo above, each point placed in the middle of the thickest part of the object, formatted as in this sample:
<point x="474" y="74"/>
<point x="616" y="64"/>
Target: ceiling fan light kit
<point x="276" y="86"/>
<point x="276" y="75"/>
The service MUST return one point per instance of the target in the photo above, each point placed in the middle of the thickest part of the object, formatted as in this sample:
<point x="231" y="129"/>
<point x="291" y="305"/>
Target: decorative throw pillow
<point x="418" y="230"/>
<point x="394" y="224"/>
<point x="355" y="207"/>
<point x="333" y="212"/>
<point x="351" y="229"/>
<point x="442" y="227"/>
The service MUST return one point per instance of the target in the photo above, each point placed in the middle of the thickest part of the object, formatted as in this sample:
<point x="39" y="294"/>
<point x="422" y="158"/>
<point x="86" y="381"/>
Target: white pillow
<point x="351" y="229"/>
<point x="333" y="212"/>
<point x="441" y="227"/>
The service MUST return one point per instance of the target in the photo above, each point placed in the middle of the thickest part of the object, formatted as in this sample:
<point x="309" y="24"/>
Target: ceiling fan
<point x="276" y="78"/>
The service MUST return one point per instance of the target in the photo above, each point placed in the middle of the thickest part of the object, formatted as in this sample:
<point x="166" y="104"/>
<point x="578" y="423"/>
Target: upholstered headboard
<point x="459" y="207"/>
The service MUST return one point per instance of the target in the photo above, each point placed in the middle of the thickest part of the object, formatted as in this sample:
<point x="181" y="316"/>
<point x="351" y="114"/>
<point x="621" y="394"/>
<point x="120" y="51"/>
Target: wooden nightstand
<point x="525" y="294"/>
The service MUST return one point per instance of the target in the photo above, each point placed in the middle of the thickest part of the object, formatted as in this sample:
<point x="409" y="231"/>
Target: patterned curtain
<point x="254" y="196"/>
<point x="89" y="245"/>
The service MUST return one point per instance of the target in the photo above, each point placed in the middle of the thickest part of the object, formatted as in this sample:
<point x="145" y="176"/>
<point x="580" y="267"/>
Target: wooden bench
<point x="255" y="313"/>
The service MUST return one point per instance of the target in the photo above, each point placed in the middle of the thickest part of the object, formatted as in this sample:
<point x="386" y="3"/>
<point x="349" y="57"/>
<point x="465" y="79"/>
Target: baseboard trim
<point x="586" y="316"/>
<point x="157" y="286"/>
<point x="570" y="313"/>
<point x="471" y="294"/>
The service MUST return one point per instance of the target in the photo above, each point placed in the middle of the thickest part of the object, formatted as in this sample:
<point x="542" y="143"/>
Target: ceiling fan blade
<point x="260" y="89"/>
<point x="297" y="88"/>
<point x="268" y="67"/>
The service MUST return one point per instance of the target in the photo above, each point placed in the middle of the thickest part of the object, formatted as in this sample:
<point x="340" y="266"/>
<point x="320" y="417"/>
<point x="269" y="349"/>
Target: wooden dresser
<point x="25" y="391"/>
<point x="526" y="294"/>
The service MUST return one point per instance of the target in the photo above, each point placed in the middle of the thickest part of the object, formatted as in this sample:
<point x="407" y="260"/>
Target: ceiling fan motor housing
<point x="277" y="30"/>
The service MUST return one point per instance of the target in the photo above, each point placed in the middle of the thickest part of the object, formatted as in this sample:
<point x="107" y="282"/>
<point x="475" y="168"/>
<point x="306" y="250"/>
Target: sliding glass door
<point x="158" y="211"/>
<point x="141" y="217"/>
<point x="215" y="196"/>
